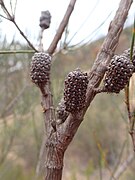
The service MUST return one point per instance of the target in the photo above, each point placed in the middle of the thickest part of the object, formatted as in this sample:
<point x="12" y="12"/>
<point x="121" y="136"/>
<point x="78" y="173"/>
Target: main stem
<point x="54" y="158"/>
<point x="53" y="171"/>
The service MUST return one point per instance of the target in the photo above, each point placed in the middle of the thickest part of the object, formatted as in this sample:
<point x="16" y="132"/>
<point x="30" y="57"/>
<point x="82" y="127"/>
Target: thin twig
<point x="13" y="102"/>
<point x="119" y="160"/>
<point x="4" y="17"/>
<point x="8" y="147"/>
<point x="12" y="19"/>
<point x="127" y="101"/>
<point x="127" y="94"/>
<point x="16" y="51"/>
<point x="84" y="22"/>
<point x="102" y="155"/>
<point x="61" y="28"/>
<point x="15" y="8"/>
<point x="9" y="16"/>
<point x="124" y="166"/>
<point x="25" y="37"/>
<point x="11" y="7"/>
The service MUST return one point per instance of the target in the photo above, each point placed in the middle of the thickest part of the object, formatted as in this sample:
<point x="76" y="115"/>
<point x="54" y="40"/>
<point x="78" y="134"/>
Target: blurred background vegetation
<point x="102" y="142"/>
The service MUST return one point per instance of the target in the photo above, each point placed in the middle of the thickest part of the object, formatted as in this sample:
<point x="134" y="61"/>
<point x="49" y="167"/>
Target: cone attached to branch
<point x="45" y="20"/>
<point x="62" y="114"/>
<point x="40" y="68"/>
<point x="75" y="90"/>
<point x="118" y="74"/>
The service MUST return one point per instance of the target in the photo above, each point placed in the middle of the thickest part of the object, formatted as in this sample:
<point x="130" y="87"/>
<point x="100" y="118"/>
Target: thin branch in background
<point x="131" y="114"/>
<point x="119" y="110"/>
<point x="82" y="25"/>
<point x="63" y="44"/>
<point x="92" y="34"/>
<point x="8" y="147"/>
<point x="119" y="159"/>
<point x="4" y="17"/>
<point x="15" y="8"/>
<point x="102" y="156"/>
<point x="127" y="102"/>
<point x="61" y="28"/>
<point x="5" y="10"/>
<point x="13" y="102"/>
<point x="25" y="37"/>
<point x="122" y="168"/>
<point x="11" y="6"/>
<point x="16" y="51"/>
<point x="131" y="58"/>
<point x="12" y="19"/>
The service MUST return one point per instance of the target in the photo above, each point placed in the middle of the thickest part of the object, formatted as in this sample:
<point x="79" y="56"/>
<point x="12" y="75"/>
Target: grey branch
<point x="61" y="28"/>
<point x="124" y="166"/>
<point x="11" y="18"/>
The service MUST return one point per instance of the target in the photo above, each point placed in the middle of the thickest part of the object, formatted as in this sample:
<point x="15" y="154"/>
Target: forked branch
<point x="11" y="17"/>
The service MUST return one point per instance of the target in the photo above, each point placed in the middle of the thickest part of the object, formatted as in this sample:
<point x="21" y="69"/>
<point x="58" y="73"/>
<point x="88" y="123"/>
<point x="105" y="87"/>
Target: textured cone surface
<point x="40" y="68"/>
<point x="127" y="54"/>
<point x="118" y="74"/>
<point x="62" y="114"/>
<point x="75" y="90"/>
<point x="133" y="61"/>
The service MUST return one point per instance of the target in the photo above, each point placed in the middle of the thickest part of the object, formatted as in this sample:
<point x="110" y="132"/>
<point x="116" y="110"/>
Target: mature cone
<point x="127" y="54"/>
<point x="40" y="68"/>
<point x="118" y="74"/>
<point x="62" y="114"/>
<point x="75" y="90"/>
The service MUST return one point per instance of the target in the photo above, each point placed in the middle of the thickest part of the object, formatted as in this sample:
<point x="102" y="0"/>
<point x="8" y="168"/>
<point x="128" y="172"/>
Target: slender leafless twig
<point x="124" y="166"/>
<point x="12" y="19"/>
<point x="16" y="51"/>
<point x="13" y="102"/>
<point x="61" y="28"/>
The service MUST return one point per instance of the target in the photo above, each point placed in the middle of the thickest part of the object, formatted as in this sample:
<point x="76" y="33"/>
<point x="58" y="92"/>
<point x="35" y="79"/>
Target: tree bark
<point x="54" y="160"/>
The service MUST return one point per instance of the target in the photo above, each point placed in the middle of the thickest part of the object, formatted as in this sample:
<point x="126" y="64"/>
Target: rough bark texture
<point x="59" y="137"/>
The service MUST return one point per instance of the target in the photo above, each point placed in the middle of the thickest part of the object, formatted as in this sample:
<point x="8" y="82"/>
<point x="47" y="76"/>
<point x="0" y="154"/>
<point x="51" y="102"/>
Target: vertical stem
<point x="53" y="174"/>
<point x="54" y="159"/>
